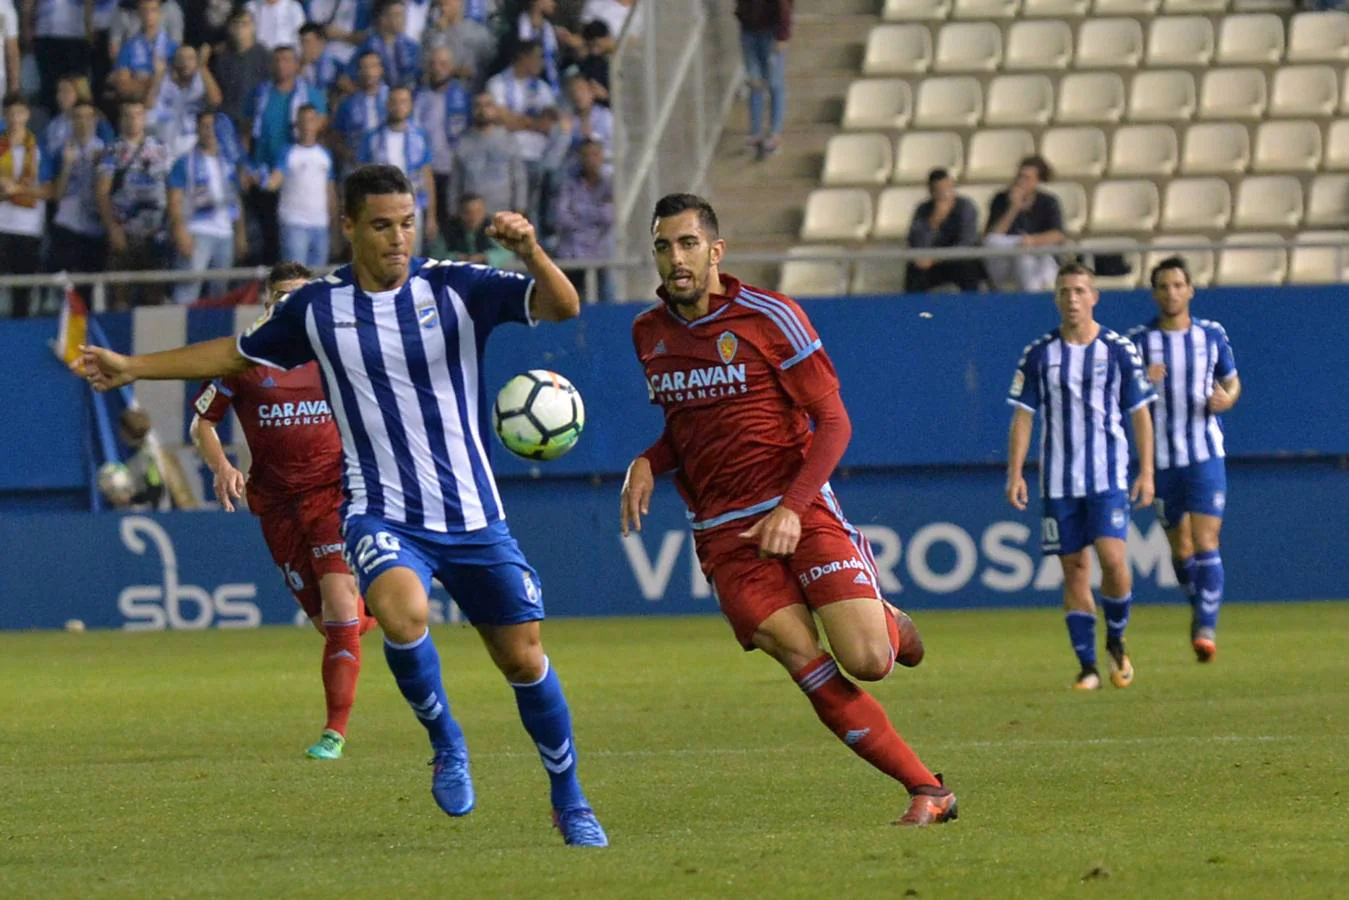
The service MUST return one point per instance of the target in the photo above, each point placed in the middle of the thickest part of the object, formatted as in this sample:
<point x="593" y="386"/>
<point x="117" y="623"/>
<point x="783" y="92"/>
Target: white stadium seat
<point x="968" y="47"/>
<point x="1268" y="201"/>
<point x="916" y="10"/>
<point x="1020" y="100"/>
<point x="1251" y="38"/>
<point x="1202" y="203"/>
<point x="1166" y="96"/>
<point x="1216" y="148"/>
<point x="1344" y="104"/>
<point x="878" y="276"/>
<point x="878" y="103"/>
<point x="1233" y="94"/>
<point x="993" y="155"/>
<point x="1304" y="91"/>
<point x="858" y="159"/>
<point x="1038" y="45"/>
<point x="1109" y="44"/>
<point x="1328" y="202"/>
<point x="1283" y="6"/>
<point x="1320" y="265"/>
<point x="986" y="9"/>
<point x="1180" y="41"/>
<point x="1250" y="259"/>
<point x="1130" y="205"/>
<point x="1125" y="7"/>
<point x="1194" y="6"/>
<point x="1337" y="145"/>
<point x="919" y="152"/>
<point x="1091" y="97"/>
<point x="1291" y="146"/>
<point x="1145" y="150"/>
<point x="813" y="278"/>
<point x="953" y="101"/>
<point x="1133" y="258"/>
<point x="1072" y="203"/>
<point x="837" y="214"/>
<point x="981" y="195"/>
<point x="898" y="50"/>
<point x="1319" y="36"/>
<point x="1199" y="262"/>
<point x="1053" y="8"/>
<point x="1078" y="152"/>
<point x="894" y="211"/>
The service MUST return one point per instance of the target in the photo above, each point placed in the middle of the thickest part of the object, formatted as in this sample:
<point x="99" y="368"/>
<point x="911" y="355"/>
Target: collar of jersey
<point x="718" y="305"/>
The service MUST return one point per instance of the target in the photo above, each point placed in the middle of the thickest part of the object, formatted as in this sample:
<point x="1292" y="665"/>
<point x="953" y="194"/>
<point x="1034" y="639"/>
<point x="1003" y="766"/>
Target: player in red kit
<point x="295" y="488"/>
<point x="741" y="375"/>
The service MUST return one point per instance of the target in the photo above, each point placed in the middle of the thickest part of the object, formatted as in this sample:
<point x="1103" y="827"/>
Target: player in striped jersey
<point x="399" y="344"/>
<point x="1084" y="379"/>
<point x="1190" y="360"/>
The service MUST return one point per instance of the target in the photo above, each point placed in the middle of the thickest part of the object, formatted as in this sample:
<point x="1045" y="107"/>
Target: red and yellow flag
<point x="73" y="328"/>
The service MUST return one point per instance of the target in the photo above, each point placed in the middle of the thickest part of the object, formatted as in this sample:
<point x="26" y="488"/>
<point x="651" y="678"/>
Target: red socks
<point x="341" y="666"/>
<point x="860" y="722"/>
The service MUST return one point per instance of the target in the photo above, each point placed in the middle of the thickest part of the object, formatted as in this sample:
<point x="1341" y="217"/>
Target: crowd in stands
<point x="204" y="134"/>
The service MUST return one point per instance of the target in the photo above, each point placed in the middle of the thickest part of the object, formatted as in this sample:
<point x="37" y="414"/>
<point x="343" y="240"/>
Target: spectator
<point x="71" y="91"/>
<point x="207" y="22"/>
<point x="401" y="143"/>
<point x="588" y="120"/>
<point x="125" y="22"/>
<point x="470" y="44"/>
<point x="318" y="64"/>
<point x="144" y="54"/>
<point x="945" y="220"/>
<point x="613" y="13"/>
<point x="78" y="242"/>
<point x="535" y="24"/>
<point x="9" y="47"/>
<point x="442" y="109"/>
<point x="208" y="230"/>
<point x="278" y="22"/>
<point x="1025" y="216"/>
<point x="399" y="54"/>
<point x="24" y="187"/>
<point x="481" y="11"/>
<point x="176" y="100"/>
<point x="487" y="162"/>
<point x="147" y="483"/>
<point x="585" y="217"/>
<point x="132" y="200"/>
<point x="306" y="177"/>
<point x="341" y="21"/>
<point x="466" y="237"/>
<point x="363" y="111"/>
<point x="414" y="23"/>
<point x="241" y="68"/>
<point x="60" y="44"/>
<point x="530" y="111"/>
<point x="594" y="64"/>
<point x="765" y="27"/>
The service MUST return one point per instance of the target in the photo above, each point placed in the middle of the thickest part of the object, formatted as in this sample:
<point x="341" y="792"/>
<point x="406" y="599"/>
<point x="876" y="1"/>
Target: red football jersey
<point x="734" y="386"/>
<point x="289" y="428"/>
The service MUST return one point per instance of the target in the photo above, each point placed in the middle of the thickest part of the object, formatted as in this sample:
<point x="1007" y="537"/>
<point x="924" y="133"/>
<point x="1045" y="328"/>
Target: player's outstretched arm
<point x="554" y="298"/>
<point x="1018" y="444"/>
<point x="106" y="370"/>
<point x="229" y="481"/>
<point x="1144" y="487"/>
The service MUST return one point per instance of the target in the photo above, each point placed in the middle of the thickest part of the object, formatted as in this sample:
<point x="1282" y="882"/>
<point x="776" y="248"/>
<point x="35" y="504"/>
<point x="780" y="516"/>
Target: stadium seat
<point x="1020" y="100"/>
<point x="1283" y="6"/>
<point x="1166" y="96"/>
<point x="1320" y="265"/>
<point x="1075" y="152"/>
<point x="1072" y="202"/>
<point x="1292" y="146"/>
<point x="1124" y="206"/>
<point x="1216" y="148"/>
<point x="916" y="10"/>
<point x="981" y="195"/>
<point x="1268" y="201"/>
<point x="986" y="9"/>
<point x="1038" y="45"/>
<point x="1337" y="145"/>
<point x="993" y="155"/>
<point x="968" y="47"/>
<point x="1091" y="98"/>
<point x="1304" y="91"/>
<point x="1109" y="44"/>
<point x="1180" y="41"/>
<point x="858" y="159"/>
<point x="898" y="50"/>
<point x="1053" y="8"/>
<point x="1125" y="7"/>
<point x="1249" y="259"/>
<point x="1202" y="203"/>
<point x="1145" y="150"/>
<point x="1328" y="202"/>
<point x="1251" y="38"/>
<point x="1199" y="262"/>
<point x="1133" y="258"/>
<point x="1317" y="36"/>
<point x="1194" y="6"/>
<point x="813" y="278"/>
<point x="837" y="214"/>
<point x="894" y="211"/>
<point x="885" y="103"/>
<point x="951" y="101"/>
<point x="1233" y="94"/>
<point x="878" y="276"/>
<point x="1344" y="104"/>
<point x="919" y="152"/>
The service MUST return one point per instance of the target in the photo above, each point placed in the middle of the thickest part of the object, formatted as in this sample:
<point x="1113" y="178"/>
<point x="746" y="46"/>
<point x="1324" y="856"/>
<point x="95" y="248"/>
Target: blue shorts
<point x="1197" y="488"/>
<point x="484" y="570"/>
<point x="1073" y="523"/>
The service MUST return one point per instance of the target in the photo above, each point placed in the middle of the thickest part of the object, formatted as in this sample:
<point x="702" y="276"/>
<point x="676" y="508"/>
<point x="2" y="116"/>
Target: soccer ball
<point x="114" y="480"/>
<point x="539" y="415"/>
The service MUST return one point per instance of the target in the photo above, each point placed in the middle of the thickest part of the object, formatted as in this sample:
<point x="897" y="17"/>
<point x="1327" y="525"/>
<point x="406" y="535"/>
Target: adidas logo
<point x="269" y="382"/>
<point x="660" y="347"/>
<point x="854" y="737"/>
<point x="862" y="579"/>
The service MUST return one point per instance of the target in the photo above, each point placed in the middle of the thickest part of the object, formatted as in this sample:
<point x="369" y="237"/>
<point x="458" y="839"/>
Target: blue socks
<point x="1082" y="633"/>
<point x="544" y="712"/>
<point x="1208" y="588"/>
<point x="1184" y="569"/>
<point x="1116" y="616"/>
<point x="416" y="668"/>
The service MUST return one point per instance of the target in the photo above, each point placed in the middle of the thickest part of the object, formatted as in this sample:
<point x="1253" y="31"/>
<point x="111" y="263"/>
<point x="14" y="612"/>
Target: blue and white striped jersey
<point x="1083" y="394"/>
<point x="403" y="374"/>
<point x="1183" y="428"/>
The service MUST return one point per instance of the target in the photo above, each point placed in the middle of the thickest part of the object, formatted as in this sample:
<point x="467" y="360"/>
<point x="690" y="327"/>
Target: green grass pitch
<point x="169" y="765"/>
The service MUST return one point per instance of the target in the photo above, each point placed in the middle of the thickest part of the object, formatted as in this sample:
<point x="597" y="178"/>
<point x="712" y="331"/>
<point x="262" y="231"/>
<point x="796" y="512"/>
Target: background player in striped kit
<point x="1190" y="360"/>
<point x="1084" y="379"/>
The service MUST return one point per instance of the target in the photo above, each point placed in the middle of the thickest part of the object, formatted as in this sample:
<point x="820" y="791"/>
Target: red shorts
<point x="832" y="562"/>
<point x="305" y="538"/>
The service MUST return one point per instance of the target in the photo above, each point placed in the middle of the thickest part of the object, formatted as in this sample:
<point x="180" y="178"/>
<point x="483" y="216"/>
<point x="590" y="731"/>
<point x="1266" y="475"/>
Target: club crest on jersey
<point x="727" y="344"/>
<point x="426" y="317"/>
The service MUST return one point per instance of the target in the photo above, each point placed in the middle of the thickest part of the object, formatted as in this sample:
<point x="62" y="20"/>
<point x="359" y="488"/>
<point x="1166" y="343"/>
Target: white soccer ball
<point x="539" y="415"/>
<point x="114" y="480"/>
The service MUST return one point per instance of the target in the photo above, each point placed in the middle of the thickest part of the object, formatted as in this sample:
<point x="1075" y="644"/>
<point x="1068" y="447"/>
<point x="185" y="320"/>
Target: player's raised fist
<point x="514" y="232"/>
<point x="102" y="368"/>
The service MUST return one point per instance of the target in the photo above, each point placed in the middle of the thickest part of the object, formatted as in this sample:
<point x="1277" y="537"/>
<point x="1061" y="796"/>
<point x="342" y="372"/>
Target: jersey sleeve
<point x="178" y="174"/>
<point x="213" y="400"/>
<point x="1135" y="388"/>
<point x="278" y="338"/>
<point x="1025" y="389"/>
<point x="804" y="369"/>
<point x="1226" y="366"/>
<point x="493" y="295"/>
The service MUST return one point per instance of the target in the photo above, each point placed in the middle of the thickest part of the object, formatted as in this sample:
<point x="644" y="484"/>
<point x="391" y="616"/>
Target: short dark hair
<point x="1073" y="267"/>
<point x="289" y="270"/>
<point x="14" y="98"/>
<point x="468" y="197"/>
<point x="525" y="47"/>
<point x="313" y="28"/>
<point x="1171" y="262"/>
<point x="1039" y="164"/>
<point x="594" y="30"/>
<point x="284" y="48"/>
<point x="674" y="204"/>
<point x="937" y="175"/>
<point x="307" y="107"/>
<point x="369" y="181"/>
<point x="240" y="14"/>
<point x="372" y="52"/>
<point x="135" y="422"/>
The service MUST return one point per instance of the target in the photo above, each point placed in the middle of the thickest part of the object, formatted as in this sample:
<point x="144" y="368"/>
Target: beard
<point x="689" y="296"/>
